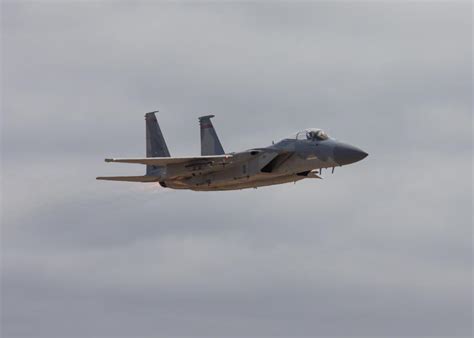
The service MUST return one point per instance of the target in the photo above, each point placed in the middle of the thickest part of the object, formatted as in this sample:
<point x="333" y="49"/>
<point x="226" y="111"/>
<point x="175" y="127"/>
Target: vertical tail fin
<point x="155" y="142"/>
<point x="210" y="144"/>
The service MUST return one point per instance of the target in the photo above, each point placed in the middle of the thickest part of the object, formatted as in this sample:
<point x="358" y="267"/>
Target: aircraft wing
<point x="144" y="179"/>
<point x="162" y="161"/>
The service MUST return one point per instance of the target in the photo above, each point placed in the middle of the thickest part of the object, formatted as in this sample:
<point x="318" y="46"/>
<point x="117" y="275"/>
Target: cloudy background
<point x="381" y="248"/>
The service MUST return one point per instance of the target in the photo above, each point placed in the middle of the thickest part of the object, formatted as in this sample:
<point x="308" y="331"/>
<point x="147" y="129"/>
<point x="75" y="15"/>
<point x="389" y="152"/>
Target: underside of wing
<point x="162" y="161"/>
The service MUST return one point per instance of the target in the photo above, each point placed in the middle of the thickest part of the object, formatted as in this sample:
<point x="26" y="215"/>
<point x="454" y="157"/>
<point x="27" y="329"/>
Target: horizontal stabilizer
<point x="161" y="161"/>
<point x="144" y="179"/>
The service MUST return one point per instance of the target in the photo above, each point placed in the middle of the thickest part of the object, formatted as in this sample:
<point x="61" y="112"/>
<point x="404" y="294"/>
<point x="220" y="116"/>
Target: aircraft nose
<point x="347" y="154"/>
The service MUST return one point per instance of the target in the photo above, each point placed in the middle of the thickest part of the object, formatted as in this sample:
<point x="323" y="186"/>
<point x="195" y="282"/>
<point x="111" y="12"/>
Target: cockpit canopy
<point x="311" y="134"/>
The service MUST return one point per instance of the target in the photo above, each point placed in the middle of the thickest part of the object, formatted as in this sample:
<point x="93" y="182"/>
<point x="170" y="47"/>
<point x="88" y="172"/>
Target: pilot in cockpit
<point x="316" y="134"/>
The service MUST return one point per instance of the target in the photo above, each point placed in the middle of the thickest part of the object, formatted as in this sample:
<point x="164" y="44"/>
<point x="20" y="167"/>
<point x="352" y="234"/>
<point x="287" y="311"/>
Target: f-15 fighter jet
<point x="292" y="159"/>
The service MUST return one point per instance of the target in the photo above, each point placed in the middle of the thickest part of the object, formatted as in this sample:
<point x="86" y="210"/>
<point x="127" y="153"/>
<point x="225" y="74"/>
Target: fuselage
<point x="290" y="160"/>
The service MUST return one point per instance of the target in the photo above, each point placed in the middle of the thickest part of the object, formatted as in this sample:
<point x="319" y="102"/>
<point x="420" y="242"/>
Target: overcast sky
<point x="381" y="248"/>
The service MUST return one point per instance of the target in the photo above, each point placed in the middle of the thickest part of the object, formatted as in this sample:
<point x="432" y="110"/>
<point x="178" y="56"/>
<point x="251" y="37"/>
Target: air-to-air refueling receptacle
<point x="302" y="155"/>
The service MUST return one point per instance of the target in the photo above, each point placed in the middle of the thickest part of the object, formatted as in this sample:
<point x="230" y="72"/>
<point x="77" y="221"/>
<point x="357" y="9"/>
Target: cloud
<point x="381" y="248"/>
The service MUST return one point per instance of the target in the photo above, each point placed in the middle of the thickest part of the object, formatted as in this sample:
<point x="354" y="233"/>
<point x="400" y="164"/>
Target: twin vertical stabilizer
<point x="155" y="142"/>
<point x="210" y="144"/>
<point x="156" y="146"/>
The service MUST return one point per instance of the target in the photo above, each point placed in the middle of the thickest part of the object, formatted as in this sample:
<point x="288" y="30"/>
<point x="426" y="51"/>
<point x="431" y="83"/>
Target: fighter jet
<point x="294" y="158"/>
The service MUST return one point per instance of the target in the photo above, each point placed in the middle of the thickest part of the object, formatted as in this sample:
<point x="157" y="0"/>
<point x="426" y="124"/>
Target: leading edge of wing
<point x="143" y="179"/>
<point x="159" y="161"/>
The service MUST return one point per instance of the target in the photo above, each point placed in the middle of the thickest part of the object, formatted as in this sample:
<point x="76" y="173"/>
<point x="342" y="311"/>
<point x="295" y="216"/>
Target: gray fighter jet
<point x="302" y="155"/>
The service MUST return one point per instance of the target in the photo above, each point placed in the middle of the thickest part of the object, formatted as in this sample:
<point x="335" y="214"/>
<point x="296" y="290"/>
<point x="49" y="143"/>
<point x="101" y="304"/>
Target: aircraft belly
<point x="231" y="184"/>
<point x="258" y="182"/>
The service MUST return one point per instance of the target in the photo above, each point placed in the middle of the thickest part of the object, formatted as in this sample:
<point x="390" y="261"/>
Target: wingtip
<point x="109" y="160"/>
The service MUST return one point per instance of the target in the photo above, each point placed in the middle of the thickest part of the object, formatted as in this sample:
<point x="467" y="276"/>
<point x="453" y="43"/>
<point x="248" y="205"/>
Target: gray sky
<point x="380" y="248"/>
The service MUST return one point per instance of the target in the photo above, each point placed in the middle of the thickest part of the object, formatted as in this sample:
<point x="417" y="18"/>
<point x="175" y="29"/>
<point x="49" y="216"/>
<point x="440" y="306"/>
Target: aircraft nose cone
<point x="347" y="154"/>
